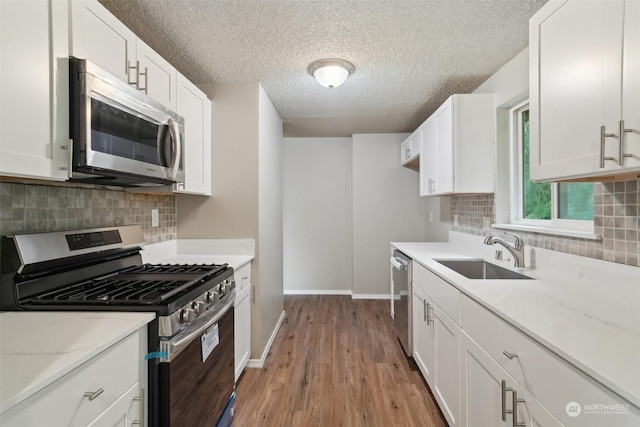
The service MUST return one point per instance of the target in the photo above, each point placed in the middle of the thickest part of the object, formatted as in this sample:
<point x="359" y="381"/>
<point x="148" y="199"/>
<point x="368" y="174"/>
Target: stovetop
<point x="144" y="284"/>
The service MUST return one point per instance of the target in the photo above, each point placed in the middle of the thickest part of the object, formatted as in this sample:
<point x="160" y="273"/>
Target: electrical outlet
<point x="155" y="218"/>
<point x="455" y="220"/>
<point x="486" y="223"/>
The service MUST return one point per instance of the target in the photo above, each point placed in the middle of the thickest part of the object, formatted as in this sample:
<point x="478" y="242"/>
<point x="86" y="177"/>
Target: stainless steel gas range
<point x="190" y="349"/>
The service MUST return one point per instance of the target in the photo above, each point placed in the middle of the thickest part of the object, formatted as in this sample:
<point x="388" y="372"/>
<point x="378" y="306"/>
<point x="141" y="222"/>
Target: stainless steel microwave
<point x="119" y="135"/>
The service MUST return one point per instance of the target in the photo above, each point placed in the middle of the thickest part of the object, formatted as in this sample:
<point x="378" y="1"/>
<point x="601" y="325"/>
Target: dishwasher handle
<point x="399" y="263"/>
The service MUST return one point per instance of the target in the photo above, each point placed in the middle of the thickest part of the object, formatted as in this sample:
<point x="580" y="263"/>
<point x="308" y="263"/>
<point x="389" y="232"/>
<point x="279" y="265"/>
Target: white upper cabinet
<point x="410" y="150"/>
<point x="100" y="37"/>
<point x="195" y="107"/>
<point x="457" y="150"/>
<point x="156" y="77"/>
<point x="584" y="89"/>
<point x="34" y="77"/>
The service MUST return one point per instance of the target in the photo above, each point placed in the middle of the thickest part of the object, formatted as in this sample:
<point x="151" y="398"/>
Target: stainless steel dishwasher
<point x="401" y="265"/>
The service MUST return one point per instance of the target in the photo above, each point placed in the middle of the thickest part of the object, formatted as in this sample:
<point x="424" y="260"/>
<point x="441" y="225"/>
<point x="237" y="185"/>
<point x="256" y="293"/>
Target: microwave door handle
<point x="177" y="147"/>
<point x="161" y="141"/>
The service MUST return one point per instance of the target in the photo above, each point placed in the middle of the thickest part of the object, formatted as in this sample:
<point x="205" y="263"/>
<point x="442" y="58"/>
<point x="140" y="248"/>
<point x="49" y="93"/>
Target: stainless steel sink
<point x="480" y="269"/>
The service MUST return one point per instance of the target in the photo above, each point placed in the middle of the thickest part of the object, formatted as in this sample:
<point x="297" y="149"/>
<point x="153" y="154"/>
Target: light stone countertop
<point x="584" y="310"/>
<point x="37" y="348"/>
<point x="236" y="253"/>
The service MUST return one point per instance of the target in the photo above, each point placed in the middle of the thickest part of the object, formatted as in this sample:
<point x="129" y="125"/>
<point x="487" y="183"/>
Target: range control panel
<point x="93" y="239"/>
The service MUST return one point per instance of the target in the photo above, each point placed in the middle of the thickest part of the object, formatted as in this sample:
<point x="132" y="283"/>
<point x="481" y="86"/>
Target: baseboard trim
<point x="259" y="363"/>
<point x="316" y="292"/>
<point x="335" y="292"/>
<point x="370" y="296"/>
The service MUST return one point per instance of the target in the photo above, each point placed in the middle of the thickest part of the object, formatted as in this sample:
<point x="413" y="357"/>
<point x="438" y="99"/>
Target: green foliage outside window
<point x="575" y="200"/>
<point x="536" y="196"/>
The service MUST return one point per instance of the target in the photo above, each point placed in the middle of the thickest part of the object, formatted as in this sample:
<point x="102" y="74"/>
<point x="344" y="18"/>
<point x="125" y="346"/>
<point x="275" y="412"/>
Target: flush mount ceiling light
<point x="331" y="72"/>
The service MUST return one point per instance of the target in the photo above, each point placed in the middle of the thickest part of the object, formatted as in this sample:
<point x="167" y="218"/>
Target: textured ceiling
<point x="409" y="56"/>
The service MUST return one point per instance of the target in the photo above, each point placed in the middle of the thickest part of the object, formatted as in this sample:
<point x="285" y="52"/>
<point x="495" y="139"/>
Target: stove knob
<point x="212" y="297"/>
<point x="187" y="315"/>
<point x="199" y="306"/>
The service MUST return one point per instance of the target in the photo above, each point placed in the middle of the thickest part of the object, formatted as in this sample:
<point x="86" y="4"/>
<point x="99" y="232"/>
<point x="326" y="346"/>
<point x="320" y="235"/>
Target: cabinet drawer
<point x="442" y="293"/>
<point x="550" y="379"/>
<point x="63" y="402"/>
<point x="242" y="277"/>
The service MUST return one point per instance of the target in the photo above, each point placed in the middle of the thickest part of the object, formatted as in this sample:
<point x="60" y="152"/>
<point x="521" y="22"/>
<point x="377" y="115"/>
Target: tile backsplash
<point x="616" y="220"/>
<point x="35" y="207"/>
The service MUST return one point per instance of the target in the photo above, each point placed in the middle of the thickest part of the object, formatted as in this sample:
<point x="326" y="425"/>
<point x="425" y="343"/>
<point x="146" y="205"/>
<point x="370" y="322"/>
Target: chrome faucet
<point x="516" y="251"/>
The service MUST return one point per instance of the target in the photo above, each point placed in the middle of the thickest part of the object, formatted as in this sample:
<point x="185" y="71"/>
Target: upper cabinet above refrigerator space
<point x="585" y="90"/>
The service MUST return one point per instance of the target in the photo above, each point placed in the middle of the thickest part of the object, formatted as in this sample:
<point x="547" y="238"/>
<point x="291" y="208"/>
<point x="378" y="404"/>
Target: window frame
<point x="516" y="195"/>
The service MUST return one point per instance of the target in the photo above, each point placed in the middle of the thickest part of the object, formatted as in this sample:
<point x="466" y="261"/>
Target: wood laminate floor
<point x="335" y="362"/>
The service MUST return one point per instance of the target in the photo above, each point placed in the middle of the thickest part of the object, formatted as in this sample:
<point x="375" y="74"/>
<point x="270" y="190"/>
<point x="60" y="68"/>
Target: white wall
<point x="511" y="86"/>
<point x="268" y="295"/>
<point x="386" y="208"/>
<point x="317" y="215"/>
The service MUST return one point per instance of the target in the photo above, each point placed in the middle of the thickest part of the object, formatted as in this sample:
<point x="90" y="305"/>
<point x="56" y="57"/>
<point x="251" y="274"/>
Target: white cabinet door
<point x="100" y="37"/>
<point x="195" y="107"/>
<point x="427" y="157"/>
<point x="242" y="330"/>
<point x="583" y="67"/>
<point x="444" y="148"/>
<point x="631" y="84"/>
<point x="422" y="333"/>
<point x="156" y="77"/>
<point x="34" y="89"/>
<point x="446" y="372"/>
<point x="481" y="395"/>
<point x="125" y="412"/>
<point x="532" y="413"/>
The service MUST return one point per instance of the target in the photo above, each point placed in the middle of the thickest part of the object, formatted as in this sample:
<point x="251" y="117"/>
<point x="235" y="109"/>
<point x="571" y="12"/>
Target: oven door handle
<point x="174" y="346"/>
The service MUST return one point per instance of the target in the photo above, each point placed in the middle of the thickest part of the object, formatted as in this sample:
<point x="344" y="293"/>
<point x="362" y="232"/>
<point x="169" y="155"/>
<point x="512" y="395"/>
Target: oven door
<point x="198" y="379"/>
<point x="117" y="129"/>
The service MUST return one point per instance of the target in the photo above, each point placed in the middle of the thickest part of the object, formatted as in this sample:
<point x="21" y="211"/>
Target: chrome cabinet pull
<point x="603" y="136"/>
<point x="425" y="310"/>
<point x="621" y="155"/>
<point x="93" y="395"/>
<point x="146" y="80"/>
<point x="514" y="407"/>
<point x="129" y="69"/>
<point x="140" y="399"/>
<point x="509" y="355"/>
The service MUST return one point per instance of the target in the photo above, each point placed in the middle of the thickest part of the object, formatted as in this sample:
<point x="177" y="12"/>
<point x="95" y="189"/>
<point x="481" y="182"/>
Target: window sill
<point x="589" y="235"/>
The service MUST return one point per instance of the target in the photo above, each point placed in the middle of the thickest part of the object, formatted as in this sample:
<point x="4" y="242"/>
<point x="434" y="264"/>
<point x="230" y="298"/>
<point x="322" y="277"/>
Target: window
<point x="551" y="205"/>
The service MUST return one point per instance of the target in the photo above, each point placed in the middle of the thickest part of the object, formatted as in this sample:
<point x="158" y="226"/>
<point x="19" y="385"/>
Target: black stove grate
<point x="140" y="284"/>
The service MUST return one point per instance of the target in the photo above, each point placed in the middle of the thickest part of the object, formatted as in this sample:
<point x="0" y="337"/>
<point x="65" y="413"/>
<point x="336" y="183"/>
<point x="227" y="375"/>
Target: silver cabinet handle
<point x="603" y="136"/>
<point x="146" y="80"/>
<point x="509" y="355"/>
<point x="141" y="400"/>
<point x="129" y="69"/>
<point x="621" y="154"/>
<point x="425" y="310"/>
<point x="514" y="408"/>
<point x="93" y="395"/>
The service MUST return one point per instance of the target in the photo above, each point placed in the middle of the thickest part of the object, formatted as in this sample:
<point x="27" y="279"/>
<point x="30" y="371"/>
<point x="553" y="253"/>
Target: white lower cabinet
<point x="242" y="318"/>
<point x="481" y="387"/>
<point x="107" y="390"/>
<point x="422" y="333"/>
<point x="436" y="344"/>
<point x="548" y="384"/>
